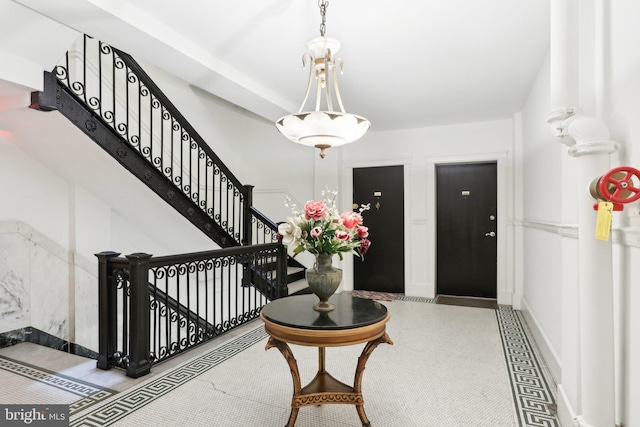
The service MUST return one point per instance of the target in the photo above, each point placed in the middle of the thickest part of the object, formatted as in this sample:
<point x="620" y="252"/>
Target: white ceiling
<point x="407" y="63"/>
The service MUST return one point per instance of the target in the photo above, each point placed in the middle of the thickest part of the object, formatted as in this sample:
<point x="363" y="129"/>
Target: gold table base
<point x="325" y="389"/>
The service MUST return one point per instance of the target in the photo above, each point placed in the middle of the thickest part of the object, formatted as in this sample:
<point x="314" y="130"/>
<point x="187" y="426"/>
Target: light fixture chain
<point x="323" y="4"/>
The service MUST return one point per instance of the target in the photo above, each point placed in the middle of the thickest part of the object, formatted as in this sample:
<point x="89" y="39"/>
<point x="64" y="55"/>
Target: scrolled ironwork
<point x="62" y="74"/>
<point x="163" y="352"/>
<point x="94" y="102"/>
<point x="166" y="115"/>
<point x="146" y="152"/>
<point x="78" y="88"/>
<point x="132" y="78"/>
<point x="104" y="48"/>
<point x="108" y="116"/>
<point x="192" y="297"/>
<point x="119" y="359"/>
<point x="163" y="311"/>
<point x="118" y="63"/>
<point x="134" y="140"/>
<point x="122" y="129"/>
<point x="131" y="113"/>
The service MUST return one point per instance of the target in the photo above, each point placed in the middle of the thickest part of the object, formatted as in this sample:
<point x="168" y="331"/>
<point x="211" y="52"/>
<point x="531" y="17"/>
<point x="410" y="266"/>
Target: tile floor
<point x="449" y="366"/>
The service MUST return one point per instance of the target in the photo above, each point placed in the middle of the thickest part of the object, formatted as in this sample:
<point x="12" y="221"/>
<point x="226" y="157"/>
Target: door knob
<point x="491" y="234"/>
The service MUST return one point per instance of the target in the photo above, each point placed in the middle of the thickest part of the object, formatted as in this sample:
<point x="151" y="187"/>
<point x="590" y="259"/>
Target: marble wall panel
<point x="14" y="281"/>
<point x="86" y="304"/>
<point x="49" y="292"/>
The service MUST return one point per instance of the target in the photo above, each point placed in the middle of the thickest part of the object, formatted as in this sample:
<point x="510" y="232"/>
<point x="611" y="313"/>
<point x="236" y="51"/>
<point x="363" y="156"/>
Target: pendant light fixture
<point x="323" y="128"/>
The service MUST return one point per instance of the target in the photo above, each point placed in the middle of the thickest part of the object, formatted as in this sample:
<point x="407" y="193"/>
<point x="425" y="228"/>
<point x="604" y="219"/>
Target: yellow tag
<point x="603" y="221"/>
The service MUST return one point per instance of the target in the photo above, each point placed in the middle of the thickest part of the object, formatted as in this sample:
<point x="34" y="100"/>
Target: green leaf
<point x="298" y="249"/>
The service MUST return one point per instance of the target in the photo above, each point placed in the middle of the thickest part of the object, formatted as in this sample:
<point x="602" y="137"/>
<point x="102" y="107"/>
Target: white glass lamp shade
<point x="323" y="129"/>
<point x="319" y="46"/>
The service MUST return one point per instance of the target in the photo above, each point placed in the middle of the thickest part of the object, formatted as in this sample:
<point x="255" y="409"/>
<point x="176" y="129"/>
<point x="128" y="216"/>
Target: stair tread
<point x="297" y="286"/>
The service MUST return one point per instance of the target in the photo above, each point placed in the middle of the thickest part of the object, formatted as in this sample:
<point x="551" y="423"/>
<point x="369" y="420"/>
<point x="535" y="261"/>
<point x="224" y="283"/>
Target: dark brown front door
<point x="383" y="267"/>
<point x="466" y="227"/>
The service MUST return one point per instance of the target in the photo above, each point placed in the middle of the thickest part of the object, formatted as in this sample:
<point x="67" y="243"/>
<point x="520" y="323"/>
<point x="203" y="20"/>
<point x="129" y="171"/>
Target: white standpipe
<point x="591" y="384"/>
<point x="595" y="283"/>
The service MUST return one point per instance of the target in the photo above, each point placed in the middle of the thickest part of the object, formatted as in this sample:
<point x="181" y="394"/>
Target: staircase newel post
<point x="139" y="326"/>
<point x="247" y="237"/>
<point x="47" y="100"/>
<point x="281" y="275"/>
<point x="107" y="309"/>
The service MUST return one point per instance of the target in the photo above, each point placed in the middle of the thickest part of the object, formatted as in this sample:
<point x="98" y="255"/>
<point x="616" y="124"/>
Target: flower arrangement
<point x="319" y="229"/>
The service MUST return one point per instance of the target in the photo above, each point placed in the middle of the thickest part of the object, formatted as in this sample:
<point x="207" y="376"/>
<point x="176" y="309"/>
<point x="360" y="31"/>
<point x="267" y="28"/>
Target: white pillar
<point x="563" y="82"/>
<point x="590" y="392"/>
<point x="595" y="283"/>
<point x="563" y="54"/>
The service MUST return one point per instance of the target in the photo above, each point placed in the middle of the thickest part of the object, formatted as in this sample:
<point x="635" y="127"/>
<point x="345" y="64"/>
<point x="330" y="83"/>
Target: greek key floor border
<point x="533" y="395"/>
<point x="127" y="402"/>
<point x="533" y="390"/>
<point x="90" y="393"/>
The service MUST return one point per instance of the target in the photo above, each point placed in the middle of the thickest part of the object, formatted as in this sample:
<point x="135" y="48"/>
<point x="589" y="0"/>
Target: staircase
<point x="108" y="96"/>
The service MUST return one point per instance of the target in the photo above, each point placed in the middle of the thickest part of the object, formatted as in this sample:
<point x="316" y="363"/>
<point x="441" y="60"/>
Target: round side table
<point x="354" y="321"/>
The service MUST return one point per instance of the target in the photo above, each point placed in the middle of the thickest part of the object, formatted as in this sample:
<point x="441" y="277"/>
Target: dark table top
<point x="350" y="312"/>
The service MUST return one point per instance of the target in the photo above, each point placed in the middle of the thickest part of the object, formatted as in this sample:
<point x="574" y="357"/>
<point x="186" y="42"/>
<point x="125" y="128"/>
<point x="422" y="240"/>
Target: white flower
<point x="289" y="231"/>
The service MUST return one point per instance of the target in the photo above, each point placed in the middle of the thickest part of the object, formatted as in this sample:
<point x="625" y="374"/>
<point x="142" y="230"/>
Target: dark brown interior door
<point x="466" y="227"/>
<point x="383" y="267"/>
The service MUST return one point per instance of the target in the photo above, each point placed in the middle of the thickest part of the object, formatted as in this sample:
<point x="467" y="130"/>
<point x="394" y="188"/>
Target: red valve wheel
<point x="617" y="185"/>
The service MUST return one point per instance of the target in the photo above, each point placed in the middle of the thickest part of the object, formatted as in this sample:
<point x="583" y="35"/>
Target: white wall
<point x="29" y="43"/>
<point x="543" y="203"/>
<point x="622" y="109"/>
<point x="419" y="150"/>
<point x="74" y="212"/>
<point x="253" y="149"/>
<point x="609" y="84"/>
<point x="58" y="183"/>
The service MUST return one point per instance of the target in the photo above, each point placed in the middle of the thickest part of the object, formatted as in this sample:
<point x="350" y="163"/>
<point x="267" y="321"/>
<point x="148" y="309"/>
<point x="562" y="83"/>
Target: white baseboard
<point x="550" y="357"/>
<point x="566" y="413"/>
<point x="418" y="289"/>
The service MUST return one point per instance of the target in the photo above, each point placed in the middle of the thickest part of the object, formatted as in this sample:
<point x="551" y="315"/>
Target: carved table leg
<point x="315" y="392"/>
<point x="295" y="374"/>
<point x="357" y="383"/>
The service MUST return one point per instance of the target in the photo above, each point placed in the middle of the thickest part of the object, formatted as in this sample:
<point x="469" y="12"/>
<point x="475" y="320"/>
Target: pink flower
<point x="351" y="219"/>
<point x="315" y="210"/>
<point x="364" y="246"/>
<point x="316" y="232"/>
<point x="363" y="232"/>
<point x="342" y="236"/>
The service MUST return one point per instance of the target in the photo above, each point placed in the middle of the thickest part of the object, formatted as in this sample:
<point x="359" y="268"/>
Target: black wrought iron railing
<point x="151" y="309"/>
<point x="155" y="308"/>
<point x="263" y="229"/>
<point x="125" y="98"/>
